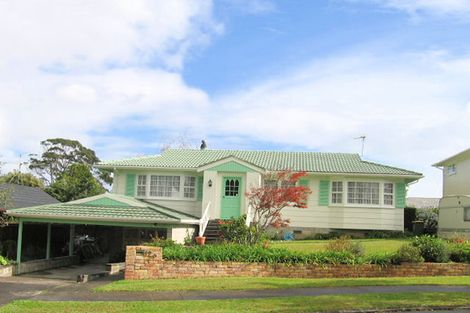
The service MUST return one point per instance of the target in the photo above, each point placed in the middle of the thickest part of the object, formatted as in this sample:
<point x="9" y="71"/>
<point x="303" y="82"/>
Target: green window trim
<point x="324" y="193"/>
<point x="303" y="182"/>
<point x="200" y="187"/>
<point x="400" y="195"/>
<point x="130" y="185"/>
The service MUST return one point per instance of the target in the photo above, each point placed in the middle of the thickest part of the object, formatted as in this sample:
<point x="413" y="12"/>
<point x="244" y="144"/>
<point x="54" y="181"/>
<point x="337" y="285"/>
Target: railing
<point x="249" y="215"/>
<point x="204" y="220"/>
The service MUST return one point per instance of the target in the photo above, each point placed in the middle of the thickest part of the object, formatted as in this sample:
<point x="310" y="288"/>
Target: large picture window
<point x="363" y="193"/>
<point x="164" y="186"/>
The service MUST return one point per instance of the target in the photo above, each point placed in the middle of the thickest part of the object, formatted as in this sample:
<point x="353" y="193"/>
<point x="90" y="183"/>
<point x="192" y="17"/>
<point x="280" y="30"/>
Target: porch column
<point x="19" y="244"/>
<point x="71" y="239"/>
<point x="48" y="243"/>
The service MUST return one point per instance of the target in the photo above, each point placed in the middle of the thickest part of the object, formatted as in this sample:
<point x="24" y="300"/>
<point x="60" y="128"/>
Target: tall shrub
<point x="432" y="249"/>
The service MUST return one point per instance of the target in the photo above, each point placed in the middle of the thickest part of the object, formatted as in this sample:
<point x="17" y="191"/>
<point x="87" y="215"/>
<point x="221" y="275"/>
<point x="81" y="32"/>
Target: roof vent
<point x="203" y="144"/>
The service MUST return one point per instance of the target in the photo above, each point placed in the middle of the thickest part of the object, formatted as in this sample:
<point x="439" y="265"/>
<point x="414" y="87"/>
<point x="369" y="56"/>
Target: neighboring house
<point x="454" y="207"/>
<point x="20" y="196"/>
<point x="347" y="192"/>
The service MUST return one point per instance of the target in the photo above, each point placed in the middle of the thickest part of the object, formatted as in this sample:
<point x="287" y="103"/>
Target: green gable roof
<point x="106" y="207"/>
<point x="320" y="162"/>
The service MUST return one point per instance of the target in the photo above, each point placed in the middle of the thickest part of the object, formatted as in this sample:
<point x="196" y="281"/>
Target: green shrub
<point x="460" y="253"/>
<point x="255" y="253"/>
<point x="432" y="249"/>
<point x="408" y="254"/>
<point x="345" y="244"/>
<point x="3" y="261"/>
<point x="383" y="259"/>
<point x="385" y="234"/>
<point x="430" y="218"/>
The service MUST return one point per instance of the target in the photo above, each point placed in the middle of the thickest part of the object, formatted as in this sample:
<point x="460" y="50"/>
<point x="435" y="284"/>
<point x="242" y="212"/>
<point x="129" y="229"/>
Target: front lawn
<point x="371" y="246"/>
<point x="280" y="304"/>
<point x="249" y="283"/>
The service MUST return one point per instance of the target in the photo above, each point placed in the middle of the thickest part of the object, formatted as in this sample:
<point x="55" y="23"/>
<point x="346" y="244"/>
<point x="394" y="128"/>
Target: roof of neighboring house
<point x="269" y="160"/>
<point x="106" y="208"/>
<point x="422" y="203"/>
<point x="456" y="157"/>
<point x="24" y="196"/>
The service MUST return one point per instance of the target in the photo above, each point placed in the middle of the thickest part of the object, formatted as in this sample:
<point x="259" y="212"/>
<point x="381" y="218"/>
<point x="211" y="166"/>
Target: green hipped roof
<point x="319" y="162"/>
<point x="106" y="207"/>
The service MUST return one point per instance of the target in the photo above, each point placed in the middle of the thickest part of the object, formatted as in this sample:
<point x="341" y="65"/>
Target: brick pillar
<point x="143" y="262"/>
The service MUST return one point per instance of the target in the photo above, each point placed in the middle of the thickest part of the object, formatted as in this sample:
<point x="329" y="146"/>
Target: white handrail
<point x="204" y="220"/>
<point x="249" y="216"/>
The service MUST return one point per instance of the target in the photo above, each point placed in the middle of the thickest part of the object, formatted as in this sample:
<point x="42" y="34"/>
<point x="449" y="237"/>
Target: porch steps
<point x="212" y="232"/>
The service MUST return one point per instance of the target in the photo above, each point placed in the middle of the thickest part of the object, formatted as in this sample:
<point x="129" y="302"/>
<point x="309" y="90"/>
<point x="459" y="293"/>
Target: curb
<point x="392" y="310"/>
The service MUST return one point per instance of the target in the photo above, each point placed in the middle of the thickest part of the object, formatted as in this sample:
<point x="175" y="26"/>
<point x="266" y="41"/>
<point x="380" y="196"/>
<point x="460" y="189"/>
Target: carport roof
<point x="104" y="209"/>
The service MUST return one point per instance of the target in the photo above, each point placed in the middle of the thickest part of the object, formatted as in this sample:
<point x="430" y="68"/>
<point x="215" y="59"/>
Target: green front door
<point x="231" y="197"/>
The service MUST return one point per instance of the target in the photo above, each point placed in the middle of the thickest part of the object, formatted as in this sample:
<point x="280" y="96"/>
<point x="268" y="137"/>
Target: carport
<point x="117" y="213"/>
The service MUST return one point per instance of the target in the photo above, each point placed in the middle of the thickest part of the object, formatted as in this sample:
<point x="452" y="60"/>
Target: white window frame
<point x="336" y="191"/>
<point x="466" y="214"/>
<point x="345" y="200"/>
<point x="178" y="196"/>
<point x="451" y="170"/>
<point x="145" y="178"/>
<point x="392" y="194"/>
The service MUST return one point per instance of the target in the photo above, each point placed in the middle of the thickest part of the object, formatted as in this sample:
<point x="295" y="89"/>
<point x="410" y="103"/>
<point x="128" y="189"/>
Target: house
<point x="176" y="195"/>
<point x="454" y="206"/>
<point x="347" y="192"/>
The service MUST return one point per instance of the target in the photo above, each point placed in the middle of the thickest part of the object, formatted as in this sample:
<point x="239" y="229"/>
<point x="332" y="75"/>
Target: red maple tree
<point x="279" y="191"/>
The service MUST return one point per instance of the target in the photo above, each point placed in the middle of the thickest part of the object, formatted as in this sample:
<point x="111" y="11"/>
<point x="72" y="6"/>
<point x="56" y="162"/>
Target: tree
<point x="268" y="201"/>
<point x="5" y="202"/>
<point x="25" y="179"/>
<point x="76" y="182"/>
<point x="59" y="154"/>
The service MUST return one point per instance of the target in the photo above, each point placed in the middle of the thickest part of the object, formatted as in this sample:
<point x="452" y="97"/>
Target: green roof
<point x="319" y="162"/>
<point x="106" y="207"/>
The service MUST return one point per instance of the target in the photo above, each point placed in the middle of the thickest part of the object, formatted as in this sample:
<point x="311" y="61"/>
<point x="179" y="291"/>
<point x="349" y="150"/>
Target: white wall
<point x="451" y="215"/>
<point x="458" y="183"/>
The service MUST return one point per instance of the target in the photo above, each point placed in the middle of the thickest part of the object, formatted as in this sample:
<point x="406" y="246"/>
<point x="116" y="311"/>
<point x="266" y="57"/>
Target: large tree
<point x="59" y="154"/>
<point x="76" y="182"/>
<point x="25" y="179"/>
<point x="5" y="202"/>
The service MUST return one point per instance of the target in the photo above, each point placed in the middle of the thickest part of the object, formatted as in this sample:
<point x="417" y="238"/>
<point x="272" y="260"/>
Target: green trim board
<point x="231" y="167"/>
<point x="400" y="195"/>
<point x="130" y="185"/>
<point x="324" y="193"/>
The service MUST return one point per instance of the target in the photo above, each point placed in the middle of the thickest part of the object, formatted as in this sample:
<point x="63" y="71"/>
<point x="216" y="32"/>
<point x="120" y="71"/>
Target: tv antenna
<point x="363" y="138"/>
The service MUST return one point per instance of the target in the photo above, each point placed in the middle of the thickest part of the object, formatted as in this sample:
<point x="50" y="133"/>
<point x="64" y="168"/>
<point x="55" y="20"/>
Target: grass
<point x="250" y="283"/>
<point x="281" y="304"/>
<point x="371" y="246"/>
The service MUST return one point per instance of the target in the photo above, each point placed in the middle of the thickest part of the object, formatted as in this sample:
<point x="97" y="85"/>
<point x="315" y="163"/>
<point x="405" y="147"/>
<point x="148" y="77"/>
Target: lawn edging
<point x="146" y="262"/>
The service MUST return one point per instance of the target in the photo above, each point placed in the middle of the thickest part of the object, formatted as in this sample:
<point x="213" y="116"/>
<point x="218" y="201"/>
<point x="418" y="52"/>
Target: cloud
<point x="413" y="108"/>
<point x="458" y="8"/>
<point x="74" y="69"/>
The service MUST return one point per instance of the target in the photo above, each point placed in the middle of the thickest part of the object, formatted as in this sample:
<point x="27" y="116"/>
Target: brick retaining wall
<point x="147" y="263"/>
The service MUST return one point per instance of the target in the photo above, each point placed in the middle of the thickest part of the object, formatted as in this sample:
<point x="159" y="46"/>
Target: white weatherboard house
<point x="454" y="207"/>
<point x="347" y="192"/>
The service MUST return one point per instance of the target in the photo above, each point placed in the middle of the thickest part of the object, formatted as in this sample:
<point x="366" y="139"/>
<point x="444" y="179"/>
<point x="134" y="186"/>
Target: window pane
<point x="337" y="192"/>
<point x="363" y="193"/>
<point x="271" y="183"/>
<point x="388" y="193"/>
<point x="164" y="186"/>
<point x="466" y="212"/>
<point x="141" y="185"/>
<point x="189" y="187"/>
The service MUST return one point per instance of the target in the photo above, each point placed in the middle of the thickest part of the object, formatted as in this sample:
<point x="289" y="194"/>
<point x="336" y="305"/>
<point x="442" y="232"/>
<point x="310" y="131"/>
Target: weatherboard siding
<point x="458" y="183"/>
<point x="189" y="207"/>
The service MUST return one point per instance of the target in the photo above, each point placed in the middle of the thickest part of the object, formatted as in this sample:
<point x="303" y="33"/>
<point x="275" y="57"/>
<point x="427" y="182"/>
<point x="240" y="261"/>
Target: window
<point x="388" y="193"/>
<point x="141" y="185"/>
<point x="189" y="187"/>
<point x="337" y="192"/>
<point x="271" y="183"/>
<point x="164" y="186"/>
<point x="451" y="169"/>
<point x="466" y="214"/>
<point x="231" y="187"/>
<point x="363" y="193"/>
<point x="287" y="184"/>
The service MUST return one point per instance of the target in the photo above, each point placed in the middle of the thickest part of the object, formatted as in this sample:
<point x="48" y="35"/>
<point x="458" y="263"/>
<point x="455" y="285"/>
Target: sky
<point x="128" y="77"/>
